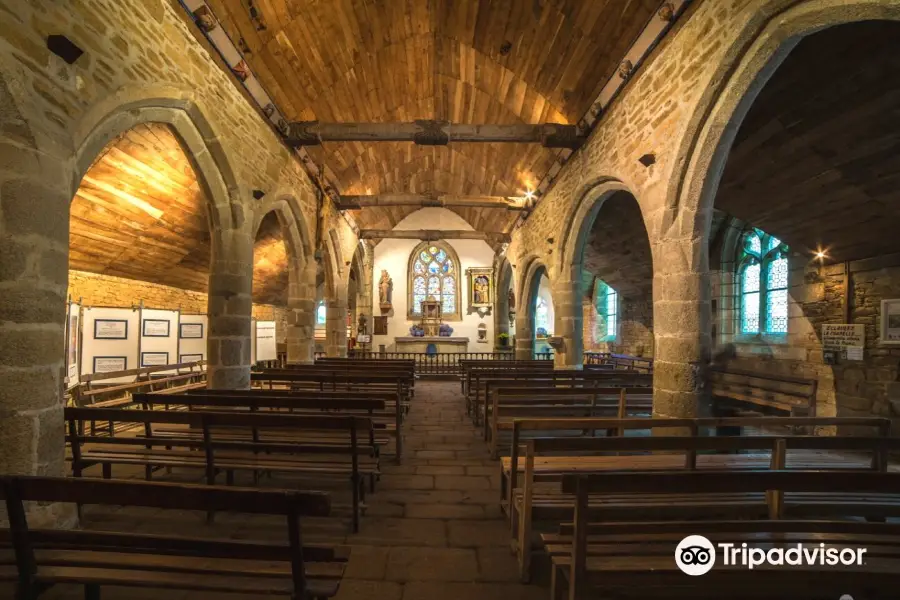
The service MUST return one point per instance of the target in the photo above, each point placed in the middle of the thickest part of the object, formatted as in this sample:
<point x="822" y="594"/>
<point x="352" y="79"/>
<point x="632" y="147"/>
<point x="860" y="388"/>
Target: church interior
<point x="431" y="299"/>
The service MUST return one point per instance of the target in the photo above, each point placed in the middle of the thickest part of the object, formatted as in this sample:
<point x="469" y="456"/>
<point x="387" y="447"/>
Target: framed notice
<point x="154" y="359"/>
<point x="890" y="322"/>
<point x="379" y="324"/>
<point x="190" y="331"/>
<point x="364" y="338"/>
<point x="110" y="364"/>
<point x="110" y="329"/>
<point x="156" y="328"/>
<point x="187" y="358"/>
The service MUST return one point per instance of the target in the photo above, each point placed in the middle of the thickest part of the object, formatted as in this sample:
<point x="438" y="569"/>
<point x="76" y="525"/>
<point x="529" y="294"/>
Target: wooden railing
<point x="438" y="364"/>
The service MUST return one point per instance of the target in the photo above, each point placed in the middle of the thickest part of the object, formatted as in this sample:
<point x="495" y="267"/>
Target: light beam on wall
<point x="123" y="195"/>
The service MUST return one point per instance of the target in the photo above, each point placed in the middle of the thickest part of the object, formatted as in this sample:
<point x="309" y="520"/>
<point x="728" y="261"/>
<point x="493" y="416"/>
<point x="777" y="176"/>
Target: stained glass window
<point x="434" y="274"/>
<point x="320" y="314"/>
<point x="606" y="301"/>
<point x="763" y="281"/>
<point x="541" y="315"/>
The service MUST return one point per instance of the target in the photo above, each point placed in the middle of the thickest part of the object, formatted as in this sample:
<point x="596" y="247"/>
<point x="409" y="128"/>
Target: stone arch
<point x="196" y="134"/>
<point x="532" y="271"/>
<point x="580" y="221"/>
<point x="505" y="283"/>
<point x="758" y="50"/>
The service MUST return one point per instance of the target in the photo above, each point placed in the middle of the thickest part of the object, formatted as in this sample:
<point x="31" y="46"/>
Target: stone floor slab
<point x="432" y="564"/>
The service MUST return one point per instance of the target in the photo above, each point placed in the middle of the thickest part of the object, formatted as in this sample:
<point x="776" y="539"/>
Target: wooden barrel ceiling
<point x="140" y="213"/>
<point x="817" y="159"/>
<point x="473" y="61"/>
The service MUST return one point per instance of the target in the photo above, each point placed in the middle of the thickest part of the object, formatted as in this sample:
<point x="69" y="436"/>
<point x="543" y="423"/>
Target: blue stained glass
<point x="445" y="268"/>
<point x="449" y="285"/>
<point x="778" y="274"/>
<point x="441" y="256"/>
<point x="773" y="243"/>
<point x="750" y="279"/>
<point x="424" y="256"/>
<point x="418" y="299"/>
<point x="435" y="279"/>
<point x="777" y="311"/>
<point x="448" y="303"/>
<point x="433" y="267"/>
<point x="320" y="314"/>
<point x="753" y="244"/>
<point x="750" y="299"/>
<point x="433" y="250"/>
<point x="541" y="315"/>
<point x="434" y="286"/>
<point x="419" y="267"/>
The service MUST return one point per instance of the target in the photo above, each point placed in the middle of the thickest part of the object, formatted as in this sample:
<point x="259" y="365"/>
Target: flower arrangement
<point x="503" y="338"/>
<point x="541" y="332"/>
<point x="445" y="330"/>
<point x="416" y="331"/>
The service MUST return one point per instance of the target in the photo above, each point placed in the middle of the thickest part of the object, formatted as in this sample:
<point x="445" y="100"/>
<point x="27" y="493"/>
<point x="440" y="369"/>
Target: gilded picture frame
<point x="480" y="287"/>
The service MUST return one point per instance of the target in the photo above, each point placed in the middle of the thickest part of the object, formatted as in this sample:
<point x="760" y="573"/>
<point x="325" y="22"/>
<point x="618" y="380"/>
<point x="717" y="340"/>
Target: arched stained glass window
<point x="541" y="315"/>
<point x="763" y="283"/>
<point x="434" y="273"/>
<point x="606" y="302"/>
<point x="320" y="314"/>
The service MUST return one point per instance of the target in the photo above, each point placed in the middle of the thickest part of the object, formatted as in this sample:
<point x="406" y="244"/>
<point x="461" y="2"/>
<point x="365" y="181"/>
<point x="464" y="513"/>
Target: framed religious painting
<point x="481" y="287"/>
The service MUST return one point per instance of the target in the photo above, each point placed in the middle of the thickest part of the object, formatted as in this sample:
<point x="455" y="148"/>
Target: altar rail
<point x="446" y="363"/>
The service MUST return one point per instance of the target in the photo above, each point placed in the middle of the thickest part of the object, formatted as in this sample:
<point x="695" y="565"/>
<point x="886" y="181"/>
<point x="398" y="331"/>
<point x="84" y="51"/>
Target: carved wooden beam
<point x="429" y="235"/>
<point x="434" y="133"/>
<point x="348" y="202"/>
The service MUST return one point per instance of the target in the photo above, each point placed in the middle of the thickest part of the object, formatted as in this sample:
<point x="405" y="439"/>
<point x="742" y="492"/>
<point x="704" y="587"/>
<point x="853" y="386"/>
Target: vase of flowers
<point x="503" y="340"/>
<point x="416" y="331"/>
<point x="445" y="330"/>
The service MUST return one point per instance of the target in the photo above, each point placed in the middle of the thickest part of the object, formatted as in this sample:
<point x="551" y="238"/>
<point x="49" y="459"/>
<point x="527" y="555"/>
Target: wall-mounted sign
<point x="890" y="322"/>
<point x="191" y="331"/>
<point x="110" y="329"/>
<point x="364" y="338"/>
<point x="154" y="359"/>
<point x="187" y="358"/>
<point x="110" y="364"/>
<point x="156" y="328"/>
<point x="848" y="340"/>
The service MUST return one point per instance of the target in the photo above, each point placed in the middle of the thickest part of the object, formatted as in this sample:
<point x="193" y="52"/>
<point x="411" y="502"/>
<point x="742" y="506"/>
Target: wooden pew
<point x="537" y="495"/>
<point x="351" y="365"/>
<point x="218" y="442"/>
<point x="467" y="366"/>
<point x="334" y="380"/>
<point x="45" y="557"/>
<point x="612" y="558"/>
<point x="91" y="387"/>
<point x="734" y="390"/>
<point x="484" y="384"/>
<point x="510" y="403"/>
<point x="384" y="408"/>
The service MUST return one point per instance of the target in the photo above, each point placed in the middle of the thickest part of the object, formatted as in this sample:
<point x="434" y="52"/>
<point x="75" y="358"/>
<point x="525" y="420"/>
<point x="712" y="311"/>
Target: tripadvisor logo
<point x="696" y="555"/>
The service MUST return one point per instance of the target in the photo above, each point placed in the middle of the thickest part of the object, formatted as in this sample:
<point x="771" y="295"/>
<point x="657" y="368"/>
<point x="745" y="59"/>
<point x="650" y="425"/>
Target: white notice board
<point x="252" y="342"/>
<point x="73" y="339"/>
<point x="265" y="341"/>
<point x="850" y="340"/>
<point x="192" y="332"/>
<point x="109" y="341"/>
<point x="159" y="339"/>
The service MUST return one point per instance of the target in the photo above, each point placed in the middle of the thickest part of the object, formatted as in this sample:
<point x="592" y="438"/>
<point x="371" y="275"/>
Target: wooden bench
<point x="383" y="408"/>
<point x="88" y="392"/>
<point x="350" y="365"/>
<point x="538" y="497"/>
<point x="510" y="403"/>
<point x="619" y="361"/>
<point x="636" y="559"/>
<point x="485" y="384"/>
<point x="469" y="366"/>
<point x="735" y="390"/>
<point x="334" y="380"/>
<point x="227" y="442"/>
<point x="41" y="558"/>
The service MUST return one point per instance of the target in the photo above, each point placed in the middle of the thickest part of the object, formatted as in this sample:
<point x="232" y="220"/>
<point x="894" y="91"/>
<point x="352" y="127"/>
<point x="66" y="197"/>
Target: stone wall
<point x="635" y="333"/>
<point x="94" y="289"/>
<point x="144" y="61"/>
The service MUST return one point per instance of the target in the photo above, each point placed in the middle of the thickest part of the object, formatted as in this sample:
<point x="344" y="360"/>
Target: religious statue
<point x="361" y="325"/>
<point x="511" y="300"/>
<point x="385" y="287"/>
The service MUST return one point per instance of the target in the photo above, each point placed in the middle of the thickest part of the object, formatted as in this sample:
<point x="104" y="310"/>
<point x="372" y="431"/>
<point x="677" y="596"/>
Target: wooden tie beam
<point x="428" y="235"/>
<point x="352" y="202"/>
<point x="434" y="132"/>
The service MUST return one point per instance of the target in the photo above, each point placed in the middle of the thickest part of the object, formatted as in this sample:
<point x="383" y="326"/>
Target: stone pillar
<point x="301" y="313"/>
<point x="34" y="241"/>
<point x="336" y="326"/>
<point x="681" y="315"/>
<point x="364" y="299"/>
<point x="230" y="309"/>
<point x="525" y="333"/>
<point x="501" y="318"/>
<point x="568" y="319"/>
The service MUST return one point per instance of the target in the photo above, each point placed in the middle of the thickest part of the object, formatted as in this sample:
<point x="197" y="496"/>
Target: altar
<point x="440" y="344"/>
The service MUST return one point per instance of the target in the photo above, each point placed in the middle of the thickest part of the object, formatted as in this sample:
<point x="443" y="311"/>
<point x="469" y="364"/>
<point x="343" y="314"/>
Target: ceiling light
<point x="820" y="254"/>
<point x="529" y="195"/>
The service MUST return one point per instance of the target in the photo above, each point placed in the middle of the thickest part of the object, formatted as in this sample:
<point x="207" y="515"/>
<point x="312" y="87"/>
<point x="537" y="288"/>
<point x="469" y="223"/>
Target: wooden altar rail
<point x="447" y="363"/>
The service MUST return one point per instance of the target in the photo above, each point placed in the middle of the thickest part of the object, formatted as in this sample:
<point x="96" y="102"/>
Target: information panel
<point x="265" y="341"/>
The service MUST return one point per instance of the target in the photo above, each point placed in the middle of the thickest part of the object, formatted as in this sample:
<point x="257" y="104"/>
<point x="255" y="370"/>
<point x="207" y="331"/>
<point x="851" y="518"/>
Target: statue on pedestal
<point x="385" y="287"/>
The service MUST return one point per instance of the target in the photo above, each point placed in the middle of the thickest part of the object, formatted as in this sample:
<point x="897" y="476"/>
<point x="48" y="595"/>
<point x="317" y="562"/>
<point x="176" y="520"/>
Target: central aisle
<point x="433" y="530"/>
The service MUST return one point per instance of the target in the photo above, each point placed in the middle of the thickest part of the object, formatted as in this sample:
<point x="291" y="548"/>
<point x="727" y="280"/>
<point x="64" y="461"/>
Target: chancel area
<point x="440" y="299"/>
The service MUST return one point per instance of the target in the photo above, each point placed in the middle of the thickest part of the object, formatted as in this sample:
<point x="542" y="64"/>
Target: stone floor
<point x="433" y="529"/>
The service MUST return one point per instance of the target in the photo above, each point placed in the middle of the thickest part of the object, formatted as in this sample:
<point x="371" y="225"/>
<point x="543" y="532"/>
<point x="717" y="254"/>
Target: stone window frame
<point x="321" y="313"/>
<point x="410" y="276"/>
<point x="744" y="258"/>
<point x="602" y="311"/>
